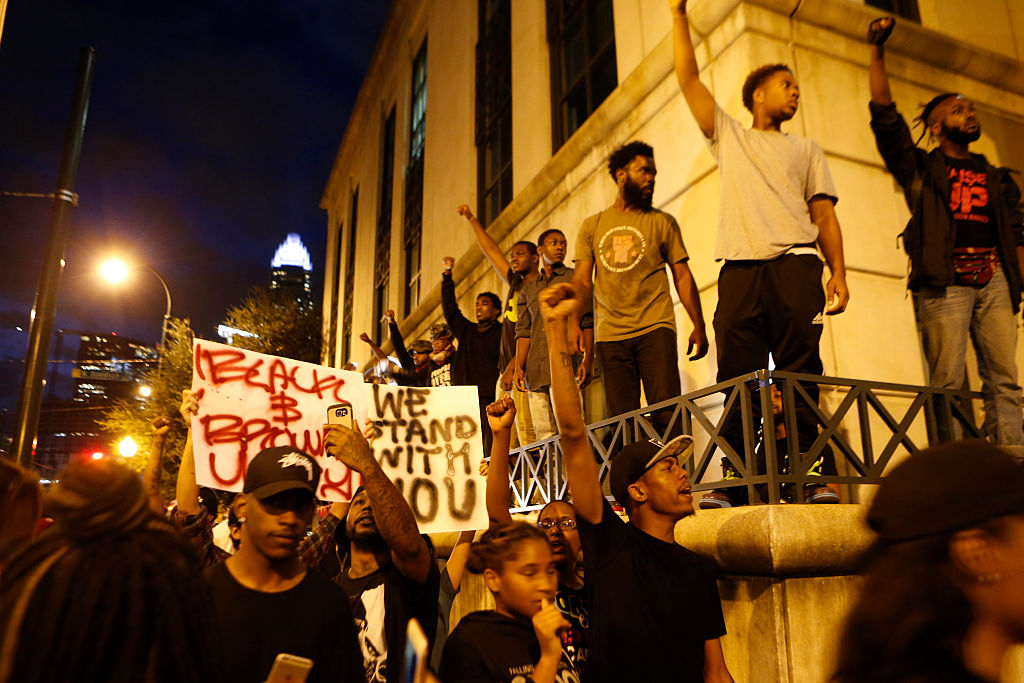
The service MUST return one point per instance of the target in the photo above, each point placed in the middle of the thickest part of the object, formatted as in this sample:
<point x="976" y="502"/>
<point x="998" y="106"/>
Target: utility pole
<point x="45" y="305"/>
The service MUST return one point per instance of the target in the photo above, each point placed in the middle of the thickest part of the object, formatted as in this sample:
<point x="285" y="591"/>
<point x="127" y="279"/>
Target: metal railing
<point x="868" y="423"/>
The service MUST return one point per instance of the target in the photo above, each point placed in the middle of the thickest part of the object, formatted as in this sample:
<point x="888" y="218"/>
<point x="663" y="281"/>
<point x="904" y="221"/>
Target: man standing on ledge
<point x="476" y="361"/>
<point x="621" y="255"/>
<point x="965" y="240"/>
<point x="777" y="209"/>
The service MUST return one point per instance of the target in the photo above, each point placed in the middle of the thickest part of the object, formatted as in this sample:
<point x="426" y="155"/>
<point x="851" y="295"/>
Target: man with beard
<point x="964" y="240"/>
<point x="378" y="558"/>
<point x="777" y="209"/>
<point x="621" y="254"/>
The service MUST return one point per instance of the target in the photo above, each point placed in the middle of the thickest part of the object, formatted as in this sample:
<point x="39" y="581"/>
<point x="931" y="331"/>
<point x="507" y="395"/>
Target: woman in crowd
<point x="519" y="639"/>
<point x="557" y="520"/>
<point x="943" y="593"/>
<point x="110" y="592"/>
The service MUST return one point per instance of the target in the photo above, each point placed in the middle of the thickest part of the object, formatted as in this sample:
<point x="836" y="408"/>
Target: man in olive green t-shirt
<point x="621" y="254"/>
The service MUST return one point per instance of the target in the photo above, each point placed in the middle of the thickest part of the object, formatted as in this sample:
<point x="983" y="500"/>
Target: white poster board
<point x="249" y="401"/>
<point x="430" y="443"/>
<point x="430" y="446"/>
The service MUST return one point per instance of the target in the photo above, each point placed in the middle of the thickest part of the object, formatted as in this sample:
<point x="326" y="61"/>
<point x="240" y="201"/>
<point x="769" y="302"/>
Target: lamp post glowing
<point x="116" y="271"/>
<point x="127" y="447"/>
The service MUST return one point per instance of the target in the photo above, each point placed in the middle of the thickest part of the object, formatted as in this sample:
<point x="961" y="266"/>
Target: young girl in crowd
<point x="557" y="520"/>
<point x="518" y="641"/>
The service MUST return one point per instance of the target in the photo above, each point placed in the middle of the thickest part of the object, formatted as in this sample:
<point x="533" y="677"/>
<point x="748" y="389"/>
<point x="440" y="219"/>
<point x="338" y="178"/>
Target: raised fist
<point x="558" y="302"/>
<point x="449" y="263"/>
<point x="880" y="29"/>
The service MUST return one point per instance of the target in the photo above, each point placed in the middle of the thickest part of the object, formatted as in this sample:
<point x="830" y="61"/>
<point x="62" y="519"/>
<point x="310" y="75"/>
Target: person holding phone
<point x="377" y="557"/>
<point x="519" y="638"/>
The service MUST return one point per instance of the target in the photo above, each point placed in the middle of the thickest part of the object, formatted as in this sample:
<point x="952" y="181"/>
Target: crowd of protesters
<point x="117" y="586"/>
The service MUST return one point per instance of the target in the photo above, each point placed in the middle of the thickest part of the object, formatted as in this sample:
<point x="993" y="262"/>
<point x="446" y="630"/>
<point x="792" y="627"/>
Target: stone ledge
<point x="779" y="540"/>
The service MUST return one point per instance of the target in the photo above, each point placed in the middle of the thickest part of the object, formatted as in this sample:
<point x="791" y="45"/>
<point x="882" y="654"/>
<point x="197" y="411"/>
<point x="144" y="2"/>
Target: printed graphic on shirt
<point x="368" y="612"/>
<point x="511" y="313"/>
<point x="968" y="197"/>
<point x="574" y="639"/>
<point x="621" y="248"/>
<point x="441" y="377"/>
<point x="524" y="674"/>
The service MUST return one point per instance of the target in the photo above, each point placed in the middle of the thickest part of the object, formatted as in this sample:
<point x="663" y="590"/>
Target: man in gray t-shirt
<point x="777" y="209"/>
<point x="621" y="254"/>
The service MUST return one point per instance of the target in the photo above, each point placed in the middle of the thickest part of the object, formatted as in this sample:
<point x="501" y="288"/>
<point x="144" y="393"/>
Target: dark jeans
<point x="651" y="359"/>
<point x="770" y="307"/>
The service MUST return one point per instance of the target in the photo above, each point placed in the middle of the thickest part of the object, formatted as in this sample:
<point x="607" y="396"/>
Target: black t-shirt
<point x="382" y="604"/>
<point x="310" y="620"/>
<point x="573" y="604"/>
<point x="652" y="605"/>
<point x="968" y="200"/>
<point x="487" y="647"/>
<point x="508" y="320"/>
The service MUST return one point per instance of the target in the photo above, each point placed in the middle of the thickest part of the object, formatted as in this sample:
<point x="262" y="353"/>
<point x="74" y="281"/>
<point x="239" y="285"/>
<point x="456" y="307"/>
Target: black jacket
<point x="931" y="233"/>
<point x="476" y="361"/>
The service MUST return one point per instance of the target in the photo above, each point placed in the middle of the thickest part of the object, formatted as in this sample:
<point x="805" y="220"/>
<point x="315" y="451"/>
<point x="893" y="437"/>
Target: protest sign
<point x="430" y="445"/>
<point x="249" y="401"/>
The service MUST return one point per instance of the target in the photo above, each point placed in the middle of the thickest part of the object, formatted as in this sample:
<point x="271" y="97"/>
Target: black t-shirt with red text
<point x="968" y="200"/>
<point x="573" y="604"/>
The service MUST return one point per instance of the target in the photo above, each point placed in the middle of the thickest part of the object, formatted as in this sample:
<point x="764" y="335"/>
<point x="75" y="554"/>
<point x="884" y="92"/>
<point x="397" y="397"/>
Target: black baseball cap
<point x="281" y="468"/>
<point x="945" y="488"/>
<point x="630" y="463"/>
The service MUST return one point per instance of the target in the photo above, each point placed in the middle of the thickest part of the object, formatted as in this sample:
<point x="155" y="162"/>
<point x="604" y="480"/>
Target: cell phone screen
<point x="413" y="659"/>
<point x="340" y="414"/>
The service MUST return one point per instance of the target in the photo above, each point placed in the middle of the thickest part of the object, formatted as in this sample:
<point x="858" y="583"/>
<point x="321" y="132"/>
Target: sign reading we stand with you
<point x="428" y="439"/>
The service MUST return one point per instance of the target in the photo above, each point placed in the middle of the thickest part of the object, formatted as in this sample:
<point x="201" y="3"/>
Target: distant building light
<point x="227" y="333"/>
<point x="292" y="252"/>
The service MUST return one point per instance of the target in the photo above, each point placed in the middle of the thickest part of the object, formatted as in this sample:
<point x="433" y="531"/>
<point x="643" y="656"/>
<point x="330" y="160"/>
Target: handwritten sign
<point x="430" y="446"/>
<point x="249" y="401"/>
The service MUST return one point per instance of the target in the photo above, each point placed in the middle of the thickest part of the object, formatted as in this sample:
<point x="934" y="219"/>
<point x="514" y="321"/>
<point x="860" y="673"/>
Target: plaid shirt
<point x="198" y="530"/>
<point x="318" y="544"/>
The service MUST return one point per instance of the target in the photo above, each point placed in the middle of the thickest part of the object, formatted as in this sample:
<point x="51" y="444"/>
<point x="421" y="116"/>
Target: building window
<point x="581" y="36"/>
<point x="350" y="280"/>
<point x="904" y="8"/>
<point x="332" y="327"/>
<point x="413" y="227"/>
<point x="494" y="108"/>
<point x="382" y="257"/>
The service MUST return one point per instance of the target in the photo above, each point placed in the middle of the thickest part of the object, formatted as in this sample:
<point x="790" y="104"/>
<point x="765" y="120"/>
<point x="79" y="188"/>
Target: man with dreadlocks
<point x="109" y="593"/>
<point x="965" y="240"/>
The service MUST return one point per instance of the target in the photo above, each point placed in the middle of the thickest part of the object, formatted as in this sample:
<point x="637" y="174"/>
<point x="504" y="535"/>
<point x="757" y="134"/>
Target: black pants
<point x="770" y="307"/>
<point x="652" y="359"/>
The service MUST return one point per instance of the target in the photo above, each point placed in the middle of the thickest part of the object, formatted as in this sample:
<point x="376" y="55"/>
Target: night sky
<point x="211" y="131"/>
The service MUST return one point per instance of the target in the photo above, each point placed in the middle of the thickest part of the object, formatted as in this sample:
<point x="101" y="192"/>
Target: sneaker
<point x="714" y="500"/>
<point x="820" y="495"/>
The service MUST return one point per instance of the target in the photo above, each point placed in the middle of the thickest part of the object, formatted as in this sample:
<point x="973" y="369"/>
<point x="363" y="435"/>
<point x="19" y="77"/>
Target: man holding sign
<point x="380" y="561"/>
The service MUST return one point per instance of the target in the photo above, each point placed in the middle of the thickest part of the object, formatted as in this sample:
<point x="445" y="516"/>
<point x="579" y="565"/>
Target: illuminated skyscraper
<point x="291" y="270"/>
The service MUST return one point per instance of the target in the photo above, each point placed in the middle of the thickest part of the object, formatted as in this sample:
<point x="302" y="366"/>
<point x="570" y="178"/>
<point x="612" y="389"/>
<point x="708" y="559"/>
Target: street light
<point x="127" y="447"/>
<point x="116" y="271"/>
